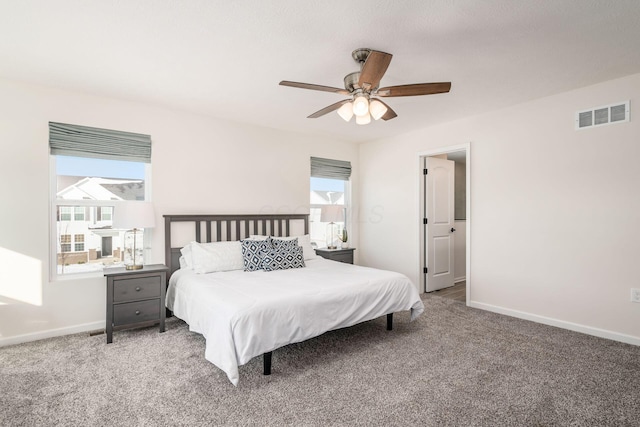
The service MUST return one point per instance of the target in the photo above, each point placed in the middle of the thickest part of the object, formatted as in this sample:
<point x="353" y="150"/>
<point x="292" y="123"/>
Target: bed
<point x="245" y="314"/>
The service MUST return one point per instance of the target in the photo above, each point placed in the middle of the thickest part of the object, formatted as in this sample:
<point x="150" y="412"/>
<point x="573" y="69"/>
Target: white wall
<point x="200" y="165"/>
<point x="555" y="223"/>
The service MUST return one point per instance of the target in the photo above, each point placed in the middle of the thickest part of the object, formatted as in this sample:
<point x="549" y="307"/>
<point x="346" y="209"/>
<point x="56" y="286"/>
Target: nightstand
<point x="135" y="297"/>
<point x="342" y="255"/>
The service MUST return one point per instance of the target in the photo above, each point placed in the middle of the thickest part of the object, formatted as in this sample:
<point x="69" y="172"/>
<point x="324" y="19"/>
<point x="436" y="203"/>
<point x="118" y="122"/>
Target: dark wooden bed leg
<point x="266" y="358"/>
<point x="389" y="321"/>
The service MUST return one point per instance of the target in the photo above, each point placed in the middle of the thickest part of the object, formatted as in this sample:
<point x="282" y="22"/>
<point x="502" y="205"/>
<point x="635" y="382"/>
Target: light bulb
<point x="364" y="120"/>
<point x="377" y="108"/>
<point x="360" y="105"/>
<point x="346" y="111"/>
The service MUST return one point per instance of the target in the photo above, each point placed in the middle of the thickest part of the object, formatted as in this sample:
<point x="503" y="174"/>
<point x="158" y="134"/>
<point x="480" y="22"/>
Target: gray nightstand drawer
<point x="134" y="312"/>
<point x="340" y="255"/>
<point x="137" y="288"/>
<point x="345" y="257"/>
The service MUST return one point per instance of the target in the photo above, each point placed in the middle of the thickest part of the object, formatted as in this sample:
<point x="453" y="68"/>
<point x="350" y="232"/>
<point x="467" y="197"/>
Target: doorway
<point x="107" y="246"/>
<point x="444" y="209"/>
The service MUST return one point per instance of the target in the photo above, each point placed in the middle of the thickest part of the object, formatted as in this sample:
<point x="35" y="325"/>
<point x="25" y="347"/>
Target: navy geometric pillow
<point x="282" y="258"/>
<point x="252" y="253"/>
<point x="284" y="244"/>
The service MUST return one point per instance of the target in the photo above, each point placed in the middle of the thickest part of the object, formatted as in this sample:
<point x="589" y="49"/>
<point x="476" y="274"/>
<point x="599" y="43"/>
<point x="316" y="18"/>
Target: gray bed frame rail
<point x="209" y="228"/>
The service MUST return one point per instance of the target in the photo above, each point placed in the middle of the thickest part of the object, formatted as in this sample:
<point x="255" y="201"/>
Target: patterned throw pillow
<point x="282" y="258"/>
<point x="252" y="251"/>
<point x="284" y="244"/>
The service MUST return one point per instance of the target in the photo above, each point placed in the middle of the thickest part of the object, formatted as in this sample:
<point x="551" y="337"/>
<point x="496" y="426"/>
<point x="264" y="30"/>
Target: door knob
<point x="453" y="229"/>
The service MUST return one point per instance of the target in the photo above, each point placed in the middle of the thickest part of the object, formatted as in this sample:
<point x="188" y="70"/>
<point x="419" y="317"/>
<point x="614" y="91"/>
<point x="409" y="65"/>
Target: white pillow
<point x="258" y="237"/>
<point x="216" y="256"/>
<point x="186" y="256"/>
<point x="304" y="241"/>
<point x="183" y="263"/>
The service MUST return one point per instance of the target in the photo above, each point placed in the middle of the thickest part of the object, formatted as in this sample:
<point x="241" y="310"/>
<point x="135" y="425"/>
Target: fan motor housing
<point x="351" y="81"/>
<point x="360" y="55"/>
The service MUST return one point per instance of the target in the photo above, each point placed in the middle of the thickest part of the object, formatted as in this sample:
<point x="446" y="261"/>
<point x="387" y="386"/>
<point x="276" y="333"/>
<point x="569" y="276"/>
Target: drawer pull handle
<point x="137" y="312"/>
<point x="138" y="289"/>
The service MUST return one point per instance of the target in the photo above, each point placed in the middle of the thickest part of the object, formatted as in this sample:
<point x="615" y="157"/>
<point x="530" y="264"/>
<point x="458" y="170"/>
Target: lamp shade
<point x="128" y="215"/>
<point x="363" y="120"/>
<point x="377" y="109"/>
<point x="360" y="105"/>
<point x="332" y="213"/>
<point x="346" y="111"/>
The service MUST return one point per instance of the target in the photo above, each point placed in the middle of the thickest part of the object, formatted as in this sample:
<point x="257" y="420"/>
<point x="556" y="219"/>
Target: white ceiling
<point x="225" y="58"/>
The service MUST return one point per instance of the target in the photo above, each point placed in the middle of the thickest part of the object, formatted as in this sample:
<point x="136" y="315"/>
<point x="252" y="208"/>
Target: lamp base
<point x="133" y="249"/>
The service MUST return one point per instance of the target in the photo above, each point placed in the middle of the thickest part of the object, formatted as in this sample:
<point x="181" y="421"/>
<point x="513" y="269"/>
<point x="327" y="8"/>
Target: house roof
<point x="89" y="188"/>
<point x="327" y="197"/>
<point x="225" y="59"/>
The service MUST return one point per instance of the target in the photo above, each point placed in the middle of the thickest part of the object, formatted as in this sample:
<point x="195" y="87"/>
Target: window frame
<point x="54" y="203"/>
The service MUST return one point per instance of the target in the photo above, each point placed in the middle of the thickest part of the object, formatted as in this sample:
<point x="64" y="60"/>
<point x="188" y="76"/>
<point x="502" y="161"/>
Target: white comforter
<point x="245" y="314"/>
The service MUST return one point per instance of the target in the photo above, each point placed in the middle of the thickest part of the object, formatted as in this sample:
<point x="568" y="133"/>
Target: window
<point x="92" y="171"/>
<point x="65" y="213"/>
<point x="329" y="185"/>
<point x="65" y="243"/>
<point x="79" y="243"/>
<point x="93" y="187"/>
<point x="106" y="213"/>
<point x="78" y="213"/>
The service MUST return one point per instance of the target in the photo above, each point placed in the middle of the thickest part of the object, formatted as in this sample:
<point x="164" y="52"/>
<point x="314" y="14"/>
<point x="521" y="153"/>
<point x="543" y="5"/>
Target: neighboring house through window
<point x="93" y="170"/>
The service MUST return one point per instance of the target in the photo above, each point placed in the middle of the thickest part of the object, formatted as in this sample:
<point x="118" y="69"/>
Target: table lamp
<point x="133" y="217"/>
<point x="331" y="214"/>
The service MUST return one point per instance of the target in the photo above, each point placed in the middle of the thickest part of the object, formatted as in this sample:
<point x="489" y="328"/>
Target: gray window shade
<point x="329" y="168"/>
<point x="84" y="141"/>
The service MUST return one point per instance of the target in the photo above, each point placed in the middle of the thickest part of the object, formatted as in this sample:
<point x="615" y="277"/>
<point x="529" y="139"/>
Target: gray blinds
<point x="329" y="168"/>
<point x="84" y="141"/>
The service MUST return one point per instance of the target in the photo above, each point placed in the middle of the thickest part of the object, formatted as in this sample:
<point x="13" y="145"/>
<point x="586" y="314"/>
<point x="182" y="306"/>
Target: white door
<point x="439" y="227"/>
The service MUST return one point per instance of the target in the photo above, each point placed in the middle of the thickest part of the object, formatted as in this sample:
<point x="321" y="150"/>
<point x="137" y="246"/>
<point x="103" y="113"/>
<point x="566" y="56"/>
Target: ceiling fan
<point x="364" y="92"/>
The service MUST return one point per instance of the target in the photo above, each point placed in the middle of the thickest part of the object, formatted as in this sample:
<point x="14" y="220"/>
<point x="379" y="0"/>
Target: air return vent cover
<point x="609" y="114"/>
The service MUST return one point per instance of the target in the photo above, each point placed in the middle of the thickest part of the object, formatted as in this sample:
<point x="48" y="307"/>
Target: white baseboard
<point x="459" y="279"/>
<point x="602" y="333"/>
<point x="35" y="336"/>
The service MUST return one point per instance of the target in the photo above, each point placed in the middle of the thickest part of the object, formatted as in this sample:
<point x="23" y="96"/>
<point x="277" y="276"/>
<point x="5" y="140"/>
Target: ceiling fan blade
<point x="373" y="69"/>
<point x="314" y="87"/>
<point x="328" y="109"/>
<point x="415" y="89"/>
<point x="390" y="114"/>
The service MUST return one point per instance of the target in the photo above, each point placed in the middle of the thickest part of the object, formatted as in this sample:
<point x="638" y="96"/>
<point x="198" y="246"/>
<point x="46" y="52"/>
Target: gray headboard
<point x="210" y="228"/>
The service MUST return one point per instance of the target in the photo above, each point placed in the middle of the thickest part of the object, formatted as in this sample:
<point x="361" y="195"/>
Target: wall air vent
<point x="609" y="114"/>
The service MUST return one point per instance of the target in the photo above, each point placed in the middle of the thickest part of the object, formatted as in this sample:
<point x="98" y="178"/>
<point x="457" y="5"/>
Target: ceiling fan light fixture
<point x="361" y="105"/>
<point x="346" y="111"/>
<point x="364" y="120"/>
<point x="377" y="109"/>
<point x="363" y="89"/>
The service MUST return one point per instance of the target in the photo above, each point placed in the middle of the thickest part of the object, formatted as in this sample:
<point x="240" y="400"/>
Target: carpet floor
<point x="454" y="366"/>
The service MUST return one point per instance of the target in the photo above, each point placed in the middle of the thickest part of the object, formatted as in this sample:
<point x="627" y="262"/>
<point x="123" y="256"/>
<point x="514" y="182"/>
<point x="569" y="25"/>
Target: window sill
<point x="76" y="276"/>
